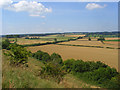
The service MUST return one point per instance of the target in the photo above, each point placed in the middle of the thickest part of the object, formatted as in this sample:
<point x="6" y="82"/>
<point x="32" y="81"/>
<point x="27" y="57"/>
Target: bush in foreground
<point x="5" y="44"/>
<point x="17" y="55"/>
<point x="51" y="70"/>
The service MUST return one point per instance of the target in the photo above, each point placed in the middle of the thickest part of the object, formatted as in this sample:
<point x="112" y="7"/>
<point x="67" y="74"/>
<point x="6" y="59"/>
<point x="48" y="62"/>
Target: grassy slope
<point x="18" y="77"/>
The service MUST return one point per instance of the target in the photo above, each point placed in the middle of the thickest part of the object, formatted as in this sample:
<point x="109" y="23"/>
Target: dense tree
<point x="5" y="44"/>
<point x="89" y="39"/>
<point x="55" y="39"/>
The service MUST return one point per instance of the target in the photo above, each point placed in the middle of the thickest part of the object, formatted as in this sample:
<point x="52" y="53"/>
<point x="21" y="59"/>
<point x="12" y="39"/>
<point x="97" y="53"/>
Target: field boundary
<point x="87" y="46"/>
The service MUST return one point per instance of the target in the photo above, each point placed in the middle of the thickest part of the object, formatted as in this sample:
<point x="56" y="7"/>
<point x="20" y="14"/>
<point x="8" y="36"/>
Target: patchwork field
<point x="75" y="35"/>
<point x="22" y="41"/>
<point x="94" y="42"/>
<point x="108" y="56"/>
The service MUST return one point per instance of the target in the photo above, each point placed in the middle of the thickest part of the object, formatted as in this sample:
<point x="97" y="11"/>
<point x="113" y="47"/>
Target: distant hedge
<point x="55" y="42"/>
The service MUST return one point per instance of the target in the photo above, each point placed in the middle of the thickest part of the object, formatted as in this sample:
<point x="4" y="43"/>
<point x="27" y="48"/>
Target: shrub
<point x="89" y="39"/>
<point x="80" y="66"/>
<point x="56" y="58"/>
<point x="5" y="44"/>
<point x="69" y="65"/>
<point x="51" y="70"/>
<point x="18" y="55"/>
<point x="101" y="75"/>
<point x="43" y="56"/>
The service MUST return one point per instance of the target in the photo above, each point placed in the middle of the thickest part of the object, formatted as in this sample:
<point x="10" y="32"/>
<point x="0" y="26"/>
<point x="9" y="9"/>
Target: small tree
<point x="55" y="39"/>
<point x="89" y="39"/>
<point x="101" y="38"/>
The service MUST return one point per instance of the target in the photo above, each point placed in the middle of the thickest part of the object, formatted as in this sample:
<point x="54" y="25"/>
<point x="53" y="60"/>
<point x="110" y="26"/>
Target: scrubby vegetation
<point x="5" y="44"/>
<point x="97" y="72"/>
<point x="55" y="68"/>
<point x="17" y="54"/>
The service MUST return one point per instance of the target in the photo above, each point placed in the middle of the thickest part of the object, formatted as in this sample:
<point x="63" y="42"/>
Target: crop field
<point x="108" y="56"/>
<point x="22" y="41"/>
<point x="94" y="42"/>
<point x="38" y="39"/>
<point x="75" y="35"/>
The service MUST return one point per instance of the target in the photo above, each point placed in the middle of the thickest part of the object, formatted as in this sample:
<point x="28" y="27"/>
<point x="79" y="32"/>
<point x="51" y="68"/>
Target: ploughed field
<point x="108" y="56"/>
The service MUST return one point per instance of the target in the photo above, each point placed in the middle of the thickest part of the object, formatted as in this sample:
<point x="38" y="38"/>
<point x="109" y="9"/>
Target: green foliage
<point x="97" y="72"/>
<point x="55" y="39"/>
<point x="56" y="58"/>
<point x="5" y="44"/>
<point x="18" y="55"/>
<point x="102" y="76"/>
<point x="114" y="82"/>
<point x="42" y="56"/>
<point x="68" y="65"/>
<point x="52" y="70"/>
<point x="81" y="66"/>
<point x="12" y="36"/>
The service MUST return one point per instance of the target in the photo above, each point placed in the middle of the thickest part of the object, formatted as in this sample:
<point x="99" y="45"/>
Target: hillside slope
<point x="28" y="77"/>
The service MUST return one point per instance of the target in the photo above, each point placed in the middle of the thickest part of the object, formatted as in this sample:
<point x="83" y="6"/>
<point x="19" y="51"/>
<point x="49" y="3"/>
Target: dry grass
<point x="108" y="56"/>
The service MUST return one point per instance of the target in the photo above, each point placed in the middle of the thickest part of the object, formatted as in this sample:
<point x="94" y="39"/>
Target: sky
<point x="26" y="17"/>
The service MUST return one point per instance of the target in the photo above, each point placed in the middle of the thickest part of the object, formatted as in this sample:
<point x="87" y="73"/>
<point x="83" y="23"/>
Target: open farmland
<point x="94" y="42"/>
<point x="108" y="56"/>
<point x="39" y="39"/>
<point x="75" y="35"/>
<point x="22" y="41"/>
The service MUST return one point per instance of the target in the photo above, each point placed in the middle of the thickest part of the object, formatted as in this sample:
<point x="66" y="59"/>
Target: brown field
<point x="108" y="56"/>
<point x="74" y="35"/>
<point x="111" y="38"/>
<point x="94" y="42"/>
<point x="24" y="41"/>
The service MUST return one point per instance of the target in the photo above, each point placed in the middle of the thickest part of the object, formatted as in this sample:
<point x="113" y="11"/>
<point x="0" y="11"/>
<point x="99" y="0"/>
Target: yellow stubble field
<point x="108" y="56"/>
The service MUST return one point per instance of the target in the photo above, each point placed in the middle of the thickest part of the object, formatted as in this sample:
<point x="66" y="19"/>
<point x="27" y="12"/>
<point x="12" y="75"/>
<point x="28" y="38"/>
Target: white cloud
<point x="4" y="3"/>
<point x="32" y="7"/>
<point x="92" y="6"/>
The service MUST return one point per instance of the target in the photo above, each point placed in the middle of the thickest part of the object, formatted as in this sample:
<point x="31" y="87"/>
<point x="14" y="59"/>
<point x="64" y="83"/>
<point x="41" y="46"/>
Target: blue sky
<point x="63" y="17"/>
